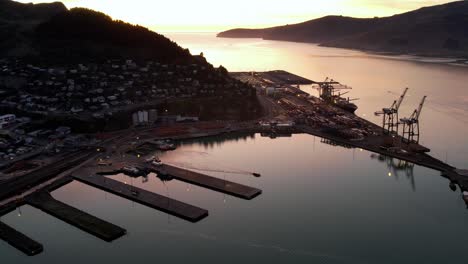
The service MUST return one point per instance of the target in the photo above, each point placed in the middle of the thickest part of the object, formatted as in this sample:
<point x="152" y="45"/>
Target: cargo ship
<point x="330" y="92"/>
<point x="345" y="104"/>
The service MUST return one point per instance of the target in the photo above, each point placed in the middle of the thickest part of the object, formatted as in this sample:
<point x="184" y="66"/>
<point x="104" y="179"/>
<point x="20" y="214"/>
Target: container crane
<point x="330" y="92"/>
<point x="390" y="115"/>
<point x="325" y="88"/>
<point x="411" y="124"/>
<point x="328" y="88"/>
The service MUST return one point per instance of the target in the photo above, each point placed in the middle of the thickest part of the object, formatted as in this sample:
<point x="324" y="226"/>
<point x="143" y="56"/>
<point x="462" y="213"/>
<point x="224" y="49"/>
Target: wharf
<point x="278" y="77"/>
<point x="19" y="241"/>
<point x="334" y="124"/>
<point x="86" y="222"/>
<point x="373" y="144"/>
<point x="231" y="188"/>
<point x="457" y="176"/>
<point x="185" y="211"/>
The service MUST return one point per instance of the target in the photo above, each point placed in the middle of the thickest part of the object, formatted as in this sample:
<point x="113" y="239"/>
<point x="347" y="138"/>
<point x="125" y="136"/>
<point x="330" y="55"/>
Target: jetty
<point x="159" y="202"/>
<point x="18" y="240"/>
<point x="86" y="222"/>
<point x="209" y="182"/>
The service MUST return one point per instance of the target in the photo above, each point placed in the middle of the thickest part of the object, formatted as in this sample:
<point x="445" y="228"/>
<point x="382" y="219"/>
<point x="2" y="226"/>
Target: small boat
<point x="150" y="159"/>
<point x="157" y="162"/>
<point x="453" y="186"/>
<point x="256" y="174"/>
<point x="133" y="171"/>
<point x="167" y="146"/>
<point x="465" y="197"/>
<point x="154" y="161"/>
<point x="163" y="176"/>
<point x="104" y="163"/>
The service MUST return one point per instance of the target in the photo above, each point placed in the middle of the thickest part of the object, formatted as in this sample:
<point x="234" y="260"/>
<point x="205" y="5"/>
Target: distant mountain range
<point x="440" y="30"/>
<point x="52" y="31"/>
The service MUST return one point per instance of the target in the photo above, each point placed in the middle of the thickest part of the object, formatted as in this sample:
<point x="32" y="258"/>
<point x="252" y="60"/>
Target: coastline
<point x="417" y="57"/>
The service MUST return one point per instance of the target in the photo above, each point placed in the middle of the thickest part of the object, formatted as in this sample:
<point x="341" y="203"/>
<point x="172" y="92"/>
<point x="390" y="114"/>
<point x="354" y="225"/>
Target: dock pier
<point x="162" y="203"/>
<point x="212" y="183"/>
<point x="19" y="240"/>
<point x="86" y="222"/>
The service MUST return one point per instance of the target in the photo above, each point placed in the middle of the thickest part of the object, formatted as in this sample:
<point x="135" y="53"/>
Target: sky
<point x="218" y="15"/>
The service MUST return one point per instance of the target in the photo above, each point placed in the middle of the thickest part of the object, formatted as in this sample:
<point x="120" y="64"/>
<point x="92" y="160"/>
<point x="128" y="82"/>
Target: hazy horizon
<point x="213" y="16"/>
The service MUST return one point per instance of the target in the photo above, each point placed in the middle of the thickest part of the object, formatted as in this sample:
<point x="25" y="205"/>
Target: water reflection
<point x="397" y="166"/>
<point x="335" y="143"/>
<point x="274" y="135"/>
<point x="371" y="76"/>
<point x="211" y="142"/>
<point x="306" y="207"/>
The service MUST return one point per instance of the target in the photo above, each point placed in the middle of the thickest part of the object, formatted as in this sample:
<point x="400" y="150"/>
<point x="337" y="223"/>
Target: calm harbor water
<point x="376" y="80"/>
<point x="320" y="203"/>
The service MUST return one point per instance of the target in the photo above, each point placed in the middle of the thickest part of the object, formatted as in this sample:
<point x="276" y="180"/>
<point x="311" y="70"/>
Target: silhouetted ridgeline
<point x="438" y="30"/>
<point x="17" y="23"/>
<point x="87" y="33"/>
<point x="51" y="31"/>
<point x="10" y="10"/>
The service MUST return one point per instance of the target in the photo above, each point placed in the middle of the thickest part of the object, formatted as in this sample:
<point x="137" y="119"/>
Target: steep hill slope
<point x="52" y="32"/>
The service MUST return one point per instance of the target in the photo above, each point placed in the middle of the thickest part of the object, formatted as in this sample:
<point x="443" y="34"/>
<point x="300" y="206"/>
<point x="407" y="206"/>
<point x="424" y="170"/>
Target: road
<point x="28" y="181"/>
<point x="46" y="183"/>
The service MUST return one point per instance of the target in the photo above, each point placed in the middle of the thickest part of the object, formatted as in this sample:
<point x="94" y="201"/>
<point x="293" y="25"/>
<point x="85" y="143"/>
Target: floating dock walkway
<point x="231" y="188"/>
<point x="86" y="222"/>
<point x="19" y="241"/>
<point x="185" y="211"/>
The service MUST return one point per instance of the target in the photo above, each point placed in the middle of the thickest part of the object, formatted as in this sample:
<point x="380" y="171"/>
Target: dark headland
<point x="440" y="30"/>
<point x="41" y="31"/>
<point x="45" y="47"/>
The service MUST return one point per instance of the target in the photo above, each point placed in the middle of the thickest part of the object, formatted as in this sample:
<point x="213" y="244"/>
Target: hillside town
<point x="100" y="89"/>
<point x="20" y="140"/>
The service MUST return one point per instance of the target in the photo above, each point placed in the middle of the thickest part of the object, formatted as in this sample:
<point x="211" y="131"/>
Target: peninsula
<point x="431" y="31"/>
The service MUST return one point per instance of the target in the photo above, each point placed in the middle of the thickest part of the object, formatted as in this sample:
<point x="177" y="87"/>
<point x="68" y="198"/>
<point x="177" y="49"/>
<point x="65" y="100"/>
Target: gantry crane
<point x="327" y="89"/>
<point x="330" y="92"/>
<point x="390" y="115"/>
<point x="411" y="124"/>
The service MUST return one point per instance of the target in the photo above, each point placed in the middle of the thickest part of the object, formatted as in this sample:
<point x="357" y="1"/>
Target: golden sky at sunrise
<point x="217" y="15"/>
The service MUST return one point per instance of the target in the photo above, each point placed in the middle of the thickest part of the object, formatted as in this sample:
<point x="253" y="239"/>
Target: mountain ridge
<point x="41" y="31"/>
<point x="18" y="11"/>
<point x="440" y="30"/>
